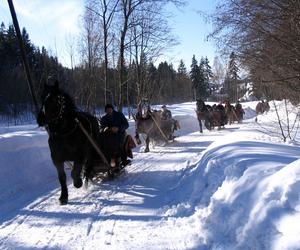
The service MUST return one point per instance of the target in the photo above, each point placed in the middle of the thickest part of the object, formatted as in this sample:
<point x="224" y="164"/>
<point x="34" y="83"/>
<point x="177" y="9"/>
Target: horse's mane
<point x="56" y="91"/>
<point x="202" y="107"/>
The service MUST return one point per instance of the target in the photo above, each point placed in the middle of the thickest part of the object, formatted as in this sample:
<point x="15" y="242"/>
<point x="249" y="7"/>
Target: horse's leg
<point x="228" y="118"/>
<point x="137" y="138"/>
<point x="63" y="199"/>
<point x="147" y="144"/>
<point x="207" y="124"/>
<point x="75" y="173"/>
<point x="219" y="124"/>
<point x="200" y="125"/>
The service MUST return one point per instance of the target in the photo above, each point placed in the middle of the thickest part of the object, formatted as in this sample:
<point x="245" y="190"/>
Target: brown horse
<point x="149" y="122"/>
<point x="239" y="111"/>
<point x="212" y="117"/>
<point x="230" y="112"/>
<point x="234" y="113"/>
<point x="262" y="107"/>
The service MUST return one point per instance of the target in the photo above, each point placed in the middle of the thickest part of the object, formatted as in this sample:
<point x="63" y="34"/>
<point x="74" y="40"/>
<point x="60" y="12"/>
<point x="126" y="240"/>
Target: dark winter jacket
<point x="117" y="119"/>
<point x="166" y="115"/>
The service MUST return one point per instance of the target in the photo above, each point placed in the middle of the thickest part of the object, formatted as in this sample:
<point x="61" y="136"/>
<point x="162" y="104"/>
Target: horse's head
<point x="227" y="103"/>
<point x="52" y="87"/>
<point x="56" y="105"/>
<point x="143" y="110"/>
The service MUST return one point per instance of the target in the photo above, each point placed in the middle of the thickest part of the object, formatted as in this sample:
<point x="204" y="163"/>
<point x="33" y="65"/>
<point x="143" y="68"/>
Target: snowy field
<point x="236" y="188"/>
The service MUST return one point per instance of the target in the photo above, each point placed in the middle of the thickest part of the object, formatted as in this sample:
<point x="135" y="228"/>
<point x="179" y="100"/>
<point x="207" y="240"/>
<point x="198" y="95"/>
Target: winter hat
<point x="107" y="106"/>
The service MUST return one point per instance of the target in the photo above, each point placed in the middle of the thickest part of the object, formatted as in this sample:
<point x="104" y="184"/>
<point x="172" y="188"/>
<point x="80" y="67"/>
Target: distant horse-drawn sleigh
<point x="212" y="116"/>
<point x="234" y="113"/>
<point x="75" y="137"/>
<point x="261" y="108"/>
<point x="153" y="125"/>
<point x="218" y="115"/>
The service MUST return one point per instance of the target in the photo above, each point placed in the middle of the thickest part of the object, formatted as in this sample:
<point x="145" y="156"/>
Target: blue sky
<point x="51" y="23"/>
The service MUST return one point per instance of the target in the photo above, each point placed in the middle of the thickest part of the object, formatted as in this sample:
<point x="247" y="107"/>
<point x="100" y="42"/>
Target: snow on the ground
<point x="236" y="188"/>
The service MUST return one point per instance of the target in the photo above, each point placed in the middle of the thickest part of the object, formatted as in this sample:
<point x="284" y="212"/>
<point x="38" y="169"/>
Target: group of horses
<point x="75" y="137"/>
<point x="218" y="115"/>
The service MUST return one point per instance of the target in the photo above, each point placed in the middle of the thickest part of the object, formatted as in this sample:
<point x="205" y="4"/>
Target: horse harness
<point x="61" y="102"/>
<point x="55" y="120"/>
<point x="88" y="134"/>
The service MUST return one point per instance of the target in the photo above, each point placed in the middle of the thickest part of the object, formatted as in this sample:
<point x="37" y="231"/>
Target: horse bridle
<point x="61" y="102"/>
<point x="145" y="112"/>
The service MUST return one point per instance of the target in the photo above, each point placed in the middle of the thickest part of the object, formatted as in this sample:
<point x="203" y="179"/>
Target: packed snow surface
<point x="234" y="188"/>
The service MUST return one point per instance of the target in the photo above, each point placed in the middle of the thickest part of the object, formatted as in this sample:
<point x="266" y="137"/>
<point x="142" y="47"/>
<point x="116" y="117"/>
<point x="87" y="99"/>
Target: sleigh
<point x="75" y="139"/>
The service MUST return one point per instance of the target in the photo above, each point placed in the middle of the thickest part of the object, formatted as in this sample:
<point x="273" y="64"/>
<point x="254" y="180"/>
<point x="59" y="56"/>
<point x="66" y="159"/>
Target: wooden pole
<point x="162" y="133"/>
<point x="23" y="54"/>
<point x="94" y="144"/>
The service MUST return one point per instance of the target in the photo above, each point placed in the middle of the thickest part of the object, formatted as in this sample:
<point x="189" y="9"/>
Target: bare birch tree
<point x="106" y="10"/>
<point x="265" y="36"/>
<point x="151" y="36"/>
<point x="91" y="55"/>
<point x="132" y="11"/>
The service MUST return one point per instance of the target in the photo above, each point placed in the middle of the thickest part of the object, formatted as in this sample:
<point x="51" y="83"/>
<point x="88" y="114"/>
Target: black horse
<point x="68" y="141"/>
<point x="203" y="113"/>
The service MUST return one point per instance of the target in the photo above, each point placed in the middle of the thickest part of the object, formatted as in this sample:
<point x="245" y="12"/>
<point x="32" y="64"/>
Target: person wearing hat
<point x="238" y="106"/>
<point x="165" y="113"/>
<point x="115" y="122"/>
<point x="166" y="116"/>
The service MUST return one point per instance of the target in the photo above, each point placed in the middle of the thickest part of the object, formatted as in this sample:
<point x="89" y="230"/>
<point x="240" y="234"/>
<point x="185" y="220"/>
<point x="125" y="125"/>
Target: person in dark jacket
<point x="116" y="123"/>
<point x="165" y="113"/>
<point x="168" y="123"/>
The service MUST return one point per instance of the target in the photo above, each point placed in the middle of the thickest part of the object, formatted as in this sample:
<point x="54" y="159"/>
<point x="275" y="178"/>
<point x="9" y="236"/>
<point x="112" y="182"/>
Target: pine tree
<point x="181" y="68"/>
<point x="184" y="83"/>
<point x="14" y="94"/>
<point x="205" y="76"/>
<point x="208" y="75"/>
<point x="29" y="48"/>
<point x="231" y="79"/>
<point x="218" y="74"/>
<point x="195" y="77"/>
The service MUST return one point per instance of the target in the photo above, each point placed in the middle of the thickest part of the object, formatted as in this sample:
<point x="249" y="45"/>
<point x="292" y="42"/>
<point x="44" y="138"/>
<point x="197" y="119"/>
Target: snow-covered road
<point x="175" y="197"/>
